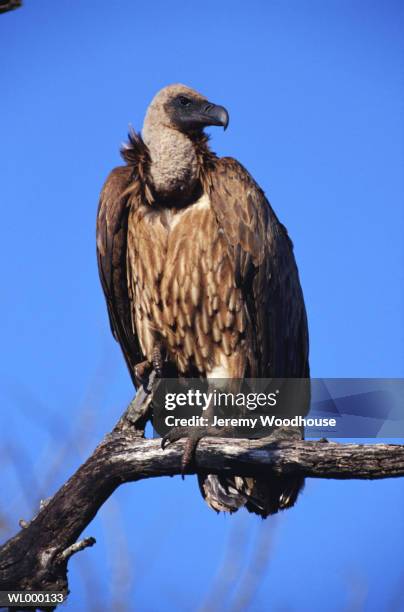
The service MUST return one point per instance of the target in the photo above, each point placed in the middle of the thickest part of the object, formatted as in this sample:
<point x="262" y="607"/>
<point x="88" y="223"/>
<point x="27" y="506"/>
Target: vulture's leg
<point x="192" y="436"/>
<point x="157" y="360"/>
<point x="144" y="368"/>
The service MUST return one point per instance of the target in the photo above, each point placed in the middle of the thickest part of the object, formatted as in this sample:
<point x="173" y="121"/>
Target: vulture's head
<point x="180" y="108"/>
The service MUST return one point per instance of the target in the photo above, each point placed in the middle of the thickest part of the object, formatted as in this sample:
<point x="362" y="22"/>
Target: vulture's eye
<point x="184" y="101"/>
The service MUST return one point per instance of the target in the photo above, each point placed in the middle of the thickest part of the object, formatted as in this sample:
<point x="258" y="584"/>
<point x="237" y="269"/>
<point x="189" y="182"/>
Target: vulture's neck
<point x="174" y="163"/>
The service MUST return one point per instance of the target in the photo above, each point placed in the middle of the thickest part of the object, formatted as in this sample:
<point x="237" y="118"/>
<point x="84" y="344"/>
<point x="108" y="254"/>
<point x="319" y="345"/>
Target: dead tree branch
<point x="36" y="558"/>
<point x="9" y="5"/>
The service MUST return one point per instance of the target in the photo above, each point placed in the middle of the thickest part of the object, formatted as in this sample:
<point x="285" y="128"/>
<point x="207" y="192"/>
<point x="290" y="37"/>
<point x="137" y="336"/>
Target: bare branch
<point x="9" y="5"/>
<point x="75" y="548"/>
<point x="36" y="558"/>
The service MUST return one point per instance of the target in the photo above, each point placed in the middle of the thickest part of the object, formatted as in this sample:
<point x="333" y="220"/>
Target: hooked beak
<point x="213" y="114"/>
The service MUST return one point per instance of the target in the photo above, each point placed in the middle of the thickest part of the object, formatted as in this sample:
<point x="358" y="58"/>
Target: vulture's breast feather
<point x="181" y="282"/>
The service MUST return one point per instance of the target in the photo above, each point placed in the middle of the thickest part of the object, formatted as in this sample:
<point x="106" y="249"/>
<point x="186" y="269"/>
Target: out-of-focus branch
<point x="9" y="5"/>
<point x="36" y="558"/>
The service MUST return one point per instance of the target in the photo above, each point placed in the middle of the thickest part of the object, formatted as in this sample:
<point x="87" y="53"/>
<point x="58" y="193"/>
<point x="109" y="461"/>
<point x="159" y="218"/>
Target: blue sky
<point x="314" y="90"/>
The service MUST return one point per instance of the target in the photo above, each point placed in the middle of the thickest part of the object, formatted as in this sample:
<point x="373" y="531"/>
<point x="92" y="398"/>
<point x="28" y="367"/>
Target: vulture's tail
<point x="267" y="494"/>
<point x="260" y="496"/>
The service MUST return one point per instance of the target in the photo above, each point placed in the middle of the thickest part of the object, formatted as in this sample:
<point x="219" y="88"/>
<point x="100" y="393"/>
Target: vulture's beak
<point x="213" y="114"/>
<point x="190" y="114"/>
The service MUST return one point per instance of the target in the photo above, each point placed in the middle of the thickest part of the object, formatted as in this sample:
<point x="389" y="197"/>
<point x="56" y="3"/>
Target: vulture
<point x="198" y="273"/>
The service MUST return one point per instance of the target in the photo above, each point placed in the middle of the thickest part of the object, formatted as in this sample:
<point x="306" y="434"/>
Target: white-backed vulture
<point x="197" y="269"/>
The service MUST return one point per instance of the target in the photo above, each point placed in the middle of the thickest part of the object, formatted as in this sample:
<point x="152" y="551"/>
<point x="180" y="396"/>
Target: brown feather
<point x="112" y="222"/>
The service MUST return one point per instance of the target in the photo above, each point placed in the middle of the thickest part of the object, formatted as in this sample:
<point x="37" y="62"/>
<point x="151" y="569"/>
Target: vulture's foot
<point x="142" y="373"/>
<point x="144" y="368"/>
<point x="193" y="435"/>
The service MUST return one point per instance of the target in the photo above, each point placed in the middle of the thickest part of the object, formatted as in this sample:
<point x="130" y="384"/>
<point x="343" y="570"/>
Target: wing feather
<point x="265" y="270"/>
<point x="112" y="224"/>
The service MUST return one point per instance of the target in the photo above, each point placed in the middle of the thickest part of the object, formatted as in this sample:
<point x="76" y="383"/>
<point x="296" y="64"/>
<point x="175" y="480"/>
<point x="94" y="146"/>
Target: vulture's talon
<point x="188" y="455"/>
<point x="192" y="435"/>
<point x="142" y="373"/>
<point x="165" y="442"/>
<point x="175" y="434"/>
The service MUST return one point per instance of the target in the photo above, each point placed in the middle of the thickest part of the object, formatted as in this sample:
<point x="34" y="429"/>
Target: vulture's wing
<point x="112" y="222"/>
<point x="265" y="270"/>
